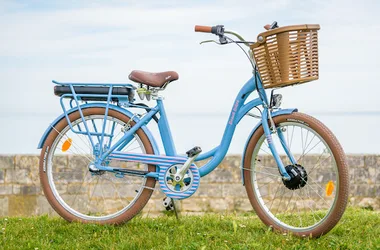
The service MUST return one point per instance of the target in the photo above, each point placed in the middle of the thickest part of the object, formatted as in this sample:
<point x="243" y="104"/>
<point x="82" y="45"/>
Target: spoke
<point x="291" y="139"/>
<point x="265" y="151"/>
<point x="314" y="182"/>
<point x="316" y="193"/>
<point x="310" y="140"/>
<point x="104" y="200"/>
<point x="73" y="144"/>
<point x="287" y="136"/>
<point x="88" y="144"/>
<point x="80" y="188"/>
<point x="262" y="166"/>
<point x="129" y="144"/>
<point x="116" y="136"/>
<point x="303" y="153"/>
<point x="80" y="137"/>
<point x="267" y="146"/>
<point x="291" y="197"/>
<point x="257" y="179"/>
<point x="81" y="158"/>
<point x="108" y="129"/>
<point x="317" y="166"/>
<point x="117" y="190"/>
<point x="308" y="194"/>
<point x="89" y="200"/>
<point x="303" y="201"/>
<point x="77" y="136"/>
<point x="294" y="206"/>
<point x="308" y="151"/>
<point x="299" y="215"/>
<point x="307" y="134"/>
<point x="134" y="148"/>
<point x="298" y="210"/>
<point x="313" y="211"/>
<point x="303" y="147"/>
<point x="319" y="158"/>
<point x="78" y="152"/>
<point x="268" y="174"/>
<point x="264" y="184"/>
<point x="313" y="147"/>
<point x="282" y="196"/>
<point x="278" y="187"/>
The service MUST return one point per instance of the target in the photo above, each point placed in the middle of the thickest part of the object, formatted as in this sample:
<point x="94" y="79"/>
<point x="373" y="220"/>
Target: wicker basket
<point x="287" y="55"/>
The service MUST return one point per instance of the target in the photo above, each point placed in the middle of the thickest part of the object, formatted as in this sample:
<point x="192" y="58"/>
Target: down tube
<point x="233" y="119"/>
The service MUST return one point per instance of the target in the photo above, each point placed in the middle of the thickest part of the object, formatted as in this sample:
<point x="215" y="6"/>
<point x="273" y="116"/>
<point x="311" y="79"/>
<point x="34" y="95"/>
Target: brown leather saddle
<point x="157" y="80"/>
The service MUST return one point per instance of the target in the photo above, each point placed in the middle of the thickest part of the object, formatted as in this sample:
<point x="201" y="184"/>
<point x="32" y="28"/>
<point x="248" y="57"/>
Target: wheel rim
<point x="305" y="208"/>
<point x="87" y="196"/>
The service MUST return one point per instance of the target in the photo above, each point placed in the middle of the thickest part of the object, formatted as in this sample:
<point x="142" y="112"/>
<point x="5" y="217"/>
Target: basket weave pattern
<point x="287" y="55"/>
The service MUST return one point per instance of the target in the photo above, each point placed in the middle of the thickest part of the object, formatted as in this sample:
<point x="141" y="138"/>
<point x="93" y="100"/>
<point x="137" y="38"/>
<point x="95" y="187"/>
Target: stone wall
<point x="220" y="191"/>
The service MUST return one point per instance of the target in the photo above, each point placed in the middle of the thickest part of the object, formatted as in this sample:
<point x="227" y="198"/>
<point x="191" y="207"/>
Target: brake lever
<point x="209" y="41"/>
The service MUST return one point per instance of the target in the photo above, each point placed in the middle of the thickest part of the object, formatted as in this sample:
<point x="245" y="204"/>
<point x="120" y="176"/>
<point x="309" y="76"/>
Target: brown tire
<point x="73" y="177"/>
<point x="274" y="211"/>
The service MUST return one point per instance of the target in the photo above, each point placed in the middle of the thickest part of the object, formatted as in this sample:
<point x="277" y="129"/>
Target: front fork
<point x="269" y="129"/>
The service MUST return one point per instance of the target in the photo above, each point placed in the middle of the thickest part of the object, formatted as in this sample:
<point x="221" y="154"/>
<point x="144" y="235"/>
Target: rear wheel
<point x="76" y="193"/>
<point x="313" y="202"/>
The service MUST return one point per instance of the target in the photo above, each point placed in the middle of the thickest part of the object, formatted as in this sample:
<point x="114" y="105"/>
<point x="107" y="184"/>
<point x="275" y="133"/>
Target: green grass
<point x="358" y="229"/>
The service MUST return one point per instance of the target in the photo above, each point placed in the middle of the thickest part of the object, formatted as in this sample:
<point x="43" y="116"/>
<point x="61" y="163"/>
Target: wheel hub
<point x="298" y="177"/>
<point x="94" y="170"/>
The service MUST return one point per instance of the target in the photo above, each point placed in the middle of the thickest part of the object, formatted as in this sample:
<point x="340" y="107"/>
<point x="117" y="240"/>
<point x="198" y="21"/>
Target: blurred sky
<point x="102" y="41"/>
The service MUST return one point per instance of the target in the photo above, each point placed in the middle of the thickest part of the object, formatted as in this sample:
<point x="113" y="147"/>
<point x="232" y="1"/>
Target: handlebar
<point x="223" y="39"/>
<point x="205" y="29"/>
<point x="219" y="31"/>
<point x="216" y="30"/>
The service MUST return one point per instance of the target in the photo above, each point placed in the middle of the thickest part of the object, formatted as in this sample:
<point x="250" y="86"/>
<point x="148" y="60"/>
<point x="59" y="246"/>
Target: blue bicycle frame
<point x="239" y="110"/>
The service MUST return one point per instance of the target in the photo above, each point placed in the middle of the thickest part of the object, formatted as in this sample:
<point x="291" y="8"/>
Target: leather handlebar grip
<point x="206" y="29"/>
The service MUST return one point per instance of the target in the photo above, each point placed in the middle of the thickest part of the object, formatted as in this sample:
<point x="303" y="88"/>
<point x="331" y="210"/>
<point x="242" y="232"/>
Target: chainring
<point x="179" y="189"/>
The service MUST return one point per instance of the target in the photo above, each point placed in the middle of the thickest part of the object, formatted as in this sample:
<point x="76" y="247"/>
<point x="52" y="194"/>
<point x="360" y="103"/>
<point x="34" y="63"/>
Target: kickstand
<point x="169" y="204"/>
<point x="175" y="209"/>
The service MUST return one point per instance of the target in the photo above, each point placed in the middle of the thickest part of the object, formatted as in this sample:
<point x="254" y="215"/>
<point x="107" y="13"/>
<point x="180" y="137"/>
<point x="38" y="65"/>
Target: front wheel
<point x="313" y="202"/>
<point x="79" y="194"/>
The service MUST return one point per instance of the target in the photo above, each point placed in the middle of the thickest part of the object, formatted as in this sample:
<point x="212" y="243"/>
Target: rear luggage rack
<point x="76" y="93"/>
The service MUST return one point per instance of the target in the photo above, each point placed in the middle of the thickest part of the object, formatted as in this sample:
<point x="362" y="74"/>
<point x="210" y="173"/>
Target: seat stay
<point x="127" y="136"/>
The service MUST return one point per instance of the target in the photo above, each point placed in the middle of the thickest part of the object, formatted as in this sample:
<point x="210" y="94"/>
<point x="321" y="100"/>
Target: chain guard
<point x="179" y="190"/>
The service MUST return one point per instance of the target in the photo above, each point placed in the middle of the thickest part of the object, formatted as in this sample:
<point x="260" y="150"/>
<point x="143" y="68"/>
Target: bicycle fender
<point x="274" y="114"/>
<point x="102" y="105"/>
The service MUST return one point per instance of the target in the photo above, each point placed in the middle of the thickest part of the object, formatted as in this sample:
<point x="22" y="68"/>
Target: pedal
<point x="168" y="204"/>
<point x="194" y="151"/>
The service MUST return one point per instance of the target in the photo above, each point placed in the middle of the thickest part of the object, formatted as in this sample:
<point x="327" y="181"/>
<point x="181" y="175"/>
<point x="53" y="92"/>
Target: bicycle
<point x="293" y="168"/>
